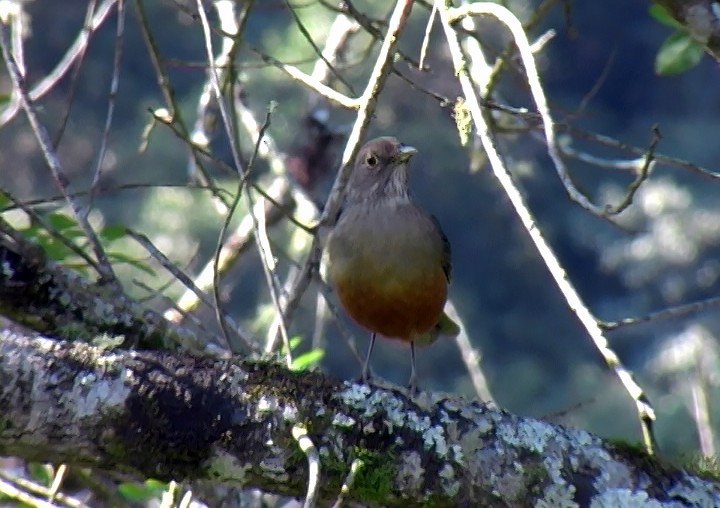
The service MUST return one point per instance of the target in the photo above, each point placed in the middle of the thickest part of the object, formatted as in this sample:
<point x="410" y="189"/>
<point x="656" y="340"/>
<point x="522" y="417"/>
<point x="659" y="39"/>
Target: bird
<point x="387" y="259"/>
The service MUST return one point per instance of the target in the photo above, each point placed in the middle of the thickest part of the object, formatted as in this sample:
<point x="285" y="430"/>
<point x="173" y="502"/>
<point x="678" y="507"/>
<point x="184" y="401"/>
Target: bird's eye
<point x="371" y="161"/>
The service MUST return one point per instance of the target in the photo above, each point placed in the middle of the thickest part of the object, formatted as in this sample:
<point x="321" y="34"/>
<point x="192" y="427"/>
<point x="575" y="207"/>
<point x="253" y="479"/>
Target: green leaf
<point x="54" y="248"/>
<point x="141" y="492"/>
<point x="114" y="232"/>
<point x="61" y="221"/>
<point x="677" y="54"/>
<point x="41" y="473"/>
<point x="661" y="14"/>
<point x="307" y="360"/>
<point x="121" y="257"/>
<point x="294" y="343"/>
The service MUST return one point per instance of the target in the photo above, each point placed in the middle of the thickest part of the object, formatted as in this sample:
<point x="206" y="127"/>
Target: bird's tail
<point x="445" y="327"/>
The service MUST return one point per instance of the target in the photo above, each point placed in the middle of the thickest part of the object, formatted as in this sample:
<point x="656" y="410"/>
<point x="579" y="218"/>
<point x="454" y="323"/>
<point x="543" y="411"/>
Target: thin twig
<point x="321" y="55"/>
<point x="237" y="243"/>
<point x="640" y="176"/>
<point x="368" y="101"/>
<point x="340" y="29"/>
<point x="300" y="434"/>
<point x="74" y="52"/>
<point x="669" y="313"/>
<point x="471" y="357"/>
<point x="265" y="256"/>
<point x="536" y="91"/>
<point x="58" y="479"/>
<point x="189" y="284"/>
<point x="206" y="117"/>
<point x="13" y="492"/>
<point x="348" y="483"/>
<point x="41" y="490"/>
<point x="426" y="37"/>
<point x="307" y="80"/>
<point x="52" y="231"/>
<point x="644" y="409"/>
<point x="103" y="266"/>
<point x="114" y="84"/>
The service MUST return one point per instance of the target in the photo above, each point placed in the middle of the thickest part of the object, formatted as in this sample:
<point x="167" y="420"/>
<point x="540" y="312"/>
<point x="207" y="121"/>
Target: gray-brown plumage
<point x="388" y="259"/>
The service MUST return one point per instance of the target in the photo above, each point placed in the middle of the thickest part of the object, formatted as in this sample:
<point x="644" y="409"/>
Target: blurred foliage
<point x="680" y="51"/>
<point x="599" y="73"/>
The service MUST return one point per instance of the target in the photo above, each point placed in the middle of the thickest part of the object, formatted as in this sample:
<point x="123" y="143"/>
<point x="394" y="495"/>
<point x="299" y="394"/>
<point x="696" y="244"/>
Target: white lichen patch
<point x="290" y="413"/>
<point x="354" y="394"/>
<point x="471" y="442"/>
<point x="531" y="435"/>
<point x="225" y="467"/>
<point x="89" y="396"/>
<point x="275" y="468"/>
<point x="457" y="453"/>
<point x="435" y="436"/>
<point x="7" y="270"/>
<point x="558" y="496"/>
<point x="267" y="404"/>
<point x="234" y="377"/>
<point x="625" y="498"/>
<point x="109" y="360"/>
<point x="449" y="482"/>
<point x="343" y="420"/>
<point x="609" y="473"/>
<point x="410" y="475"/>
<point x="696" y="492"/>
<point x="583" y="438"/>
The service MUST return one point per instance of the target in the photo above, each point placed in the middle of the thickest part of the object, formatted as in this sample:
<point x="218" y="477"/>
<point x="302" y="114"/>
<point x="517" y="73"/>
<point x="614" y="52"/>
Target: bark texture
<point x="175" y="416"/>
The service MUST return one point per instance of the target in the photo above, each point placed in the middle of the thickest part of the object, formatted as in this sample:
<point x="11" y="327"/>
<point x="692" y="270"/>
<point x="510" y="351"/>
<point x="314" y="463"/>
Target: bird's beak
<point x="405" y="153"/>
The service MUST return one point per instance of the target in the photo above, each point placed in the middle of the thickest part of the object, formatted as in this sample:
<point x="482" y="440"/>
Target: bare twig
<point x="114" y="83"/>
<point x="536" y="90"/>
<point x="307" y="80"/>
<point x="471" y="358"/>
<point x="266" y="256"/>
<point x="645" y="410"/>
<point x="338" y="33"/>
<point x="74" y="52"/>
<point x="103" y="264"/>
<point x="300" y="434"/>
<point x="321" y="54"/>
<point x="368" y="100"/>
<point x="41" y="490"/>
<point x="13" y="492"/>
<point x="188" y="283"/>
<point x="669" y="313"/>
<point x="426" y="37"/>
<point x="640" y="177"/>
<point x="348" y="483"/>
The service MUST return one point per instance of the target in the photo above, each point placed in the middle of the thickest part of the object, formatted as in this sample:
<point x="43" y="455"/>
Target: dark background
<point x="538" y="359"/>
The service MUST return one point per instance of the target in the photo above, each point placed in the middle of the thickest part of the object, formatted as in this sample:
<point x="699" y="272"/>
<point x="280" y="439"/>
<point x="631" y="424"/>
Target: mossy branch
<point x="170" y="415"/>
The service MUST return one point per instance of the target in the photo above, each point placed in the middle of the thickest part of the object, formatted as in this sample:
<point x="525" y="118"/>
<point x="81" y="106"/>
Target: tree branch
<point x="53" y="300"/>
<point x="171" y="415"/>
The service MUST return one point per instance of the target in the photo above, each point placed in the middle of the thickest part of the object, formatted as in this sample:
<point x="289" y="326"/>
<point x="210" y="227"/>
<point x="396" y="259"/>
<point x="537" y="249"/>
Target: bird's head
<point x="380" y="171"/>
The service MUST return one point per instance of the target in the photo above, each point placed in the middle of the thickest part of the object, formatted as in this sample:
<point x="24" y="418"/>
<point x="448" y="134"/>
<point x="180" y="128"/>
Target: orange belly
<point x="395" y="308"/>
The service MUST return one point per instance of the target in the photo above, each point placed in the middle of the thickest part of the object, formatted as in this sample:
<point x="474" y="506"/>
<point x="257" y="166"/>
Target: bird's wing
<point x="447" y="253"/>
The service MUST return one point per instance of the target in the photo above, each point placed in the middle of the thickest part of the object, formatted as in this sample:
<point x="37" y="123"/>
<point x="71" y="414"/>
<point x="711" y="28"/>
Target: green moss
<point x="373" y="481"/>
<point x="536" y="476"/>
<point x="695" y="464"/>
<point x="705" y="467"/>
<point x="635" y="453"/>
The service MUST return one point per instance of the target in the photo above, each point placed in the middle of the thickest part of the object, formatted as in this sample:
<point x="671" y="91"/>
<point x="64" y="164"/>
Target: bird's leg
<point x="412" y="384"/>
<point x="366" y="365"/>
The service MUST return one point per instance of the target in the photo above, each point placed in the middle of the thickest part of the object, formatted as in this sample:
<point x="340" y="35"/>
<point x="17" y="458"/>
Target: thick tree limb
<point x="171" y="415"/>
<point x="53" y="300"/>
